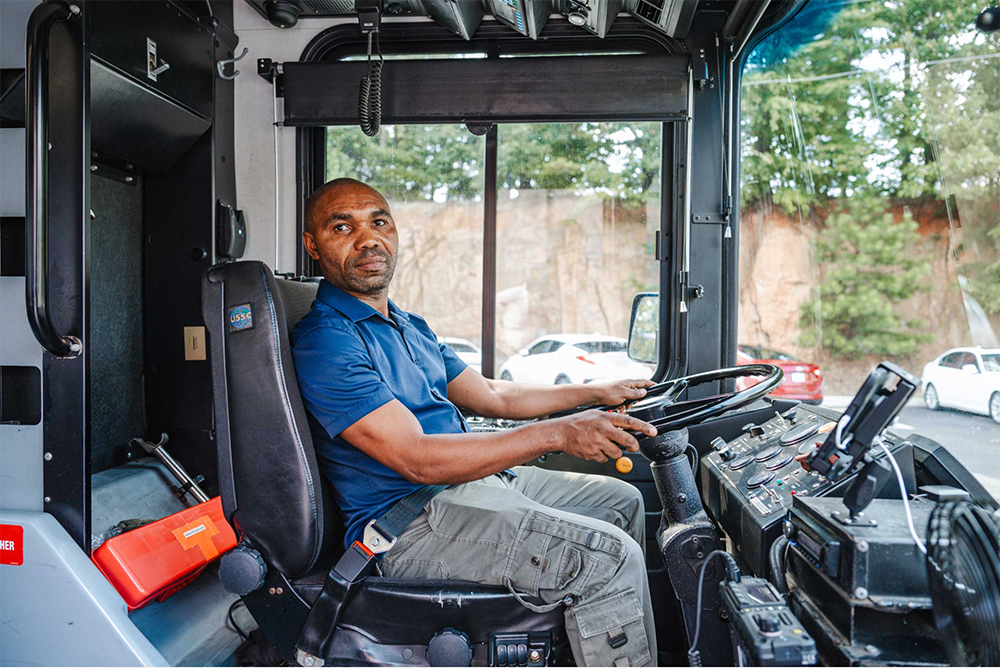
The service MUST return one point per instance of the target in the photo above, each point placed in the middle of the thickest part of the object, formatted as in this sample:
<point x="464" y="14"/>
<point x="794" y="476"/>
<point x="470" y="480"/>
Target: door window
<point x="578" y="207"/>
<point x="951" y="361"/>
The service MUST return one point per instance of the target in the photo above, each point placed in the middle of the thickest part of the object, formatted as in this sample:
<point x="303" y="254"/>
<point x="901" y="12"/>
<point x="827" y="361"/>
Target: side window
<point x="951" y="361"/>
<point x="969" y="358"/>
<point x="539" y="348"/>
<point x="554" y="346"/>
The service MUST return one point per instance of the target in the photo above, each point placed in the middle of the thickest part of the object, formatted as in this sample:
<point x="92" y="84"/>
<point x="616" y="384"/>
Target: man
<point x="382" y="395"/>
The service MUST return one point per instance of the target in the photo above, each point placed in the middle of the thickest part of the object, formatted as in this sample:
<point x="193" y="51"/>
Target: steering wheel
<point x="661" y="409"/>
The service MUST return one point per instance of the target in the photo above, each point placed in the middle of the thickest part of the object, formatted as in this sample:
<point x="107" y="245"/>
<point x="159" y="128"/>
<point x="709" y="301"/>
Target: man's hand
<point x="617" y="391"/>
<point x="599" y="436"/>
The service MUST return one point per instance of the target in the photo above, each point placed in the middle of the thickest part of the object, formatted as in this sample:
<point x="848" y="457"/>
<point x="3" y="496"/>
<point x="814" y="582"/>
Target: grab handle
<point x="36" y="272"/>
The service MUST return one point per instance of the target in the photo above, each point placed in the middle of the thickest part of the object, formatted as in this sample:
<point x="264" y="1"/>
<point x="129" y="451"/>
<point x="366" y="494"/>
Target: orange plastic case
<point x="161" y="558"/>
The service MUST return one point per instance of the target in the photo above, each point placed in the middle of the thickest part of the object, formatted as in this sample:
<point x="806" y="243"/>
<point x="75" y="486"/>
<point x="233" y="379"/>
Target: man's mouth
<point x="372" y="263"/>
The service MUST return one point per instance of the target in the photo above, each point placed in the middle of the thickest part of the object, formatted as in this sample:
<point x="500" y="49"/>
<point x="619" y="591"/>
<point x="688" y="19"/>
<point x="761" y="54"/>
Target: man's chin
<point x="371" y="285"/>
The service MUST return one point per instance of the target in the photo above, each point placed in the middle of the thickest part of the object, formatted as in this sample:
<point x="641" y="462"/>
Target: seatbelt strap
<point x="345" y="578"/>
<point x="380" y="534"/>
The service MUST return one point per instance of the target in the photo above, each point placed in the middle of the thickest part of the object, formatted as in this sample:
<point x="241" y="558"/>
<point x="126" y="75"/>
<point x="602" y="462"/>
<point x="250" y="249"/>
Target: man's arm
<point x="392" y="435"/>
<point x="523" y="401"/>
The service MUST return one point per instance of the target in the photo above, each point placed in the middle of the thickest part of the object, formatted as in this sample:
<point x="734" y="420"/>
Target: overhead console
<point x="528" y="17"/>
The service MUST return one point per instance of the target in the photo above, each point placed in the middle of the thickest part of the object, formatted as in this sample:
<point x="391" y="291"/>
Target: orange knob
<point x="623" y="464"/>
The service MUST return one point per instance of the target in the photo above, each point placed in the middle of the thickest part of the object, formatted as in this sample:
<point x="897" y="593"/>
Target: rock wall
<point x="565" y="263"/>
<point x="778" y="274"/>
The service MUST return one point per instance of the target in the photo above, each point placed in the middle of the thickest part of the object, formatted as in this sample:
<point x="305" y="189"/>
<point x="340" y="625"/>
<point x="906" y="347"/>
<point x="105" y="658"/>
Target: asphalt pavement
<point x="973" y="439"/>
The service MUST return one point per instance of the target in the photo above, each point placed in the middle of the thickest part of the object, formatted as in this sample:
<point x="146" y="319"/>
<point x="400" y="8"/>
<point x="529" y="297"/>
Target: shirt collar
<point x="351" y="306"/>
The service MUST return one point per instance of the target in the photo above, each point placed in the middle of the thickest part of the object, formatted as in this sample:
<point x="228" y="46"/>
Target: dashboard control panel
<point x="763" y="464"/>
<point x="748" y="483"/>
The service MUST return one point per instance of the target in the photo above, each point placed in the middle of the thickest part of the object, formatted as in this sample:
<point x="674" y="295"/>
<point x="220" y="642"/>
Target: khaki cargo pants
<point x="568" y="538"/>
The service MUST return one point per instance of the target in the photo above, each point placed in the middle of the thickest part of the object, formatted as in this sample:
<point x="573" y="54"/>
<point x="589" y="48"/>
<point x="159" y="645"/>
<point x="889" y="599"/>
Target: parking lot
<point x="973" y="439"/>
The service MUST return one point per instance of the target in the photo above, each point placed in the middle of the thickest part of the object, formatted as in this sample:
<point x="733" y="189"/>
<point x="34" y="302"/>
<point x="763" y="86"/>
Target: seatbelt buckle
<point x="374" y="541"/>
<point x="356" y="563"/>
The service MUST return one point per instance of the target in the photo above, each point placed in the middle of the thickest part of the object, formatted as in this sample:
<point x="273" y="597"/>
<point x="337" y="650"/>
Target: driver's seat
<point x="283" y="511"/>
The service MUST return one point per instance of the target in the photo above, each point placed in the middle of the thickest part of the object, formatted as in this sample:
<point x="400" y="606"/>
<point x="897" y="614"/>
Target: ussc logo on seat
<point x="241" y="317"/>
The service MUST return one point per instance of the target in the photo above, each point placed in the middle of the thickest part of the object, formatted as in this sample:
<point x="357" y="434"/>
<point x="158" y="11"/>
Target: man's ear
<point x="310" y="243"/>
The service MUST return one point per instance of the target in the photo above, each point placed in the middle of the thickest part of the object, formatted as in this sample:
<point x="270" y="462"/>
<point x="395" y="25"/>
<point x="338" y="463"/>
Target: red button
<point x="11" y="544"/>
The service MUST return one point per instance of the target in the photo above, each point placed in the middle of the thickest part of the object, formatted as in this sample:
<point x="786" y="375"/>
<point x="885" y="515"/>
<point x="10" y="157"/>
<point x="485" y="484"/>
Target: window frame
<point x="496" y="41"/>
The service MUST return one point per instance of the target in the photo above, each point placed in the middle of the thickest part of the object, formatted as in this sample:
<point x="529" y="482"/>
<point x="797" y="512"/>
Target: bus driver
<point x="383" y="395"/>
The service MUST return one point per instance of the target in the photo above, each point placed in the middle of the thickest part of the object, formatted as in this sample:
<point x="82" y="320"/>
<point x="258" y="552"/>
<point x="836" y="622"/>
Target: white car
<point x="573" y="358"/>
<point x="466" y="350"/>
<point x="965" y="378"/>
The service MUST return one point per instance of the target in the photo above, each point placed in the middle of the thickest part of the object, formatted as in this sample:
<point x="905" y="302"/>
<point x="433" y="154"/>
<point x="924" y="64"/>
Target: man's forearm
<point x="523" y="401"/>
<point x="450" y="459"/>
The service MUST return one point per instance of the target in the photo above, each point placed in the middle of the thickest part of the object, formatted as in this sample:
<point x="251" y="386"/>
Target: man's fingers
<point x="623" y="439"/>
<point x="628" y="422"/>
<point x="635" y="392"/>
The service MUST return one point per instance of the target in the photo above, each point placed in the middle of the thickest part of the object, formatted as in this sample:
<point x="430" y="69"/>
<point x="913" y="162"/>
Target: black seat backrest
<point x="273" y="492"/>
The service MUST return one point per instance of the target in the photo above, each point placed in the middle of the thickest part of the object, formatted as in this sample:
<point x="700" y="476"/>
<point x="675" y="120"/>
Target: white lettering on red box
<point x="195" y="531"/>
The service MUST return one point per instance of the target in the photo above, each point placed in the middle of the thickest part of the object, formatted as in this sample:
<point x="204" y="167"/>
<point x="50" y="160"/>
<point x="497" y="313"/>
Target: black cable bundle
<point x="370" y="97"/>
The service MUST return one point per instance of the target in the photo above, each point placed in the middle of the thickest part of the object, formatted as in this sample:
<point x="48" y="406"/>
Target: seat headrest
<point x="271" y="486"/>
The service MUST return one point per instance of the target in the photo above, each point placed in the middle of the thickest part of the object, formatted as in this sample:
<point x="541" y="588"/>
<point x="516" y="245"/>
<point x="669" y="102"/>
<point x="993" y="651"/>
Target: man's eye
<point x="340" y="227"/>
<point x="380" y="222"/>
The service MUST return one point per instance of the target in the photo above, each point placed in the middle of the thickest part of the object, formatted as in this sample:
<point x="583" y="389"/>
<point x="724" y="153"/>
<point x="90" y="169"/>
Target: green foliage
<point x="870" y="267"/>
<point x="446" y="161"/>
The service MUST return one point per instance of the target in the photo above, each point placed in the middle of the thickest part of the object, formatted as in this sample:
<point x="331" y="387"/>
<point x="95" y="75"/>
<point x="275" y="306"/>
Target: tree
<point x="870" y="267"/>
<point x="427" y="161"/>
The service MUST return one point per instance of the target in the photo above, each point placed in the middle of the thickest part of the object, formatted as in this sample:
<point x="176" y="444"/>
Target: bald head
<point x="351" y="233"/>
<point x="318" y="206"/>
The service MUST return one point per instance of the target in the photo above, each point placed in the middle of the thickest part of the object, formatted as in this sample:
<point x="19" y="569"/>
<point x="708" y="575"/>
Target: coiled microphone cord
<point x="370" y="96"/>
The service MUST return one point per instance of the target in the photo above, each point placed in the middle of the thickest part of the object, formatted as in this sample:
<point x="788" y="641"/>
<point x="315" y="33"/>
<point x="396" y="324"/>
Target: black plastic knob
<point x="242" y="570"/>
<point x="756" y="431"/>
<point x="453" y="648"/>
<point x="768" y="623"/>
<point x="718" y="443"/>
<point x="727" y="453"/>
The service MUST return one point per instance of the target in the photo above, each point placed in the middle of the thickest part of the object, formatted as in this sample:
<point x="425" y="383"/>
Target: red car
<point x="803" y="381"/>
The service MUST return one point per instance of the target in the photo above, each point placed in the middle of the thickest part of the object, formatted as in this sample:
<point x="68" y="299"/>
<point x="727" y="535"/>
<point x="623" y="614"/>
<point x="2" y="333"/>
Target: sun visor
<point x="524" y="90"/>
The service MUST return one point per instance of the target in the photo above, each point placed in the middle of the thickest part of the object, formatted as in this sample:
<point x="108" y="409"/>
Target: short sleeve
<point x="338" y="383"/>
<point x="453" y="365"/>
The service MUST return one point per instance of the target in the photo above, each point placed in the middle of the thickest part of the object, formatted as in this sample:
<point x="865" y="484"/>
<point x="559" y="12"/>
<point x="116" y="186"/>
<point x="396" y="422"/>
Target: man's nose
<point x="367" y="239"/>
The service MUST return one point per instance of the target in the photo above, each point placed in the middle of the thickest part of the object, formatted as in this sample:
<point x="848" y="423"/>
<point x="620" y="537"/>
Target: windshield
<point x="577" y="208"/>
<point x="870" y="206"/>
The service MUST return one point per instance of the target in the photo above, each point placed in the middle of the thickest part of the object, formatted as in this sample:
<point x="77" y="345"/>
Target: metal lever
<point x="221" y="65"/>
<point x="187" y="483"/>
<point x="160" y="70"/>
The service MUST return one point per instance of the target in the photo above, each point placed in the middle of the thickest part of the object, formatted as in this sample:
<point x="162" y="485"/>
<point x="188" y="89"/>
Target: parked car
<point x="573" y="358"/>
<point x="466" y="350"/>
<point x="803" y="380"/>
<point x="964" y="378"/>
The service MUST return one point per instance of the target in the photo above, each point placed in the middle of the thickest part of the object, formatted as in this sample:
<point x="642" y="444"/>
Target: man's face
<point x="353" y="235"/>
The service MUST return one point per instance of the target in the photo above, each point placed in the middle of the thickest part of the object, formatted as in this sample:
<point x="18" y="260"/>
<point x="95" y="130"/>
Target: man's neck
<point x="378" y="301"/>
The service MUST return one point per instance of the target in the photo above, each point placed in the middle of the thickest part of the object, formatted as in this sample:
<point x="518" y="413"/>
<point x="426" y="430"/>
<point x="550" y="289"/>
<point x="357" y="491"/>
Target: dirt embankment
<point x="778" y="273"/>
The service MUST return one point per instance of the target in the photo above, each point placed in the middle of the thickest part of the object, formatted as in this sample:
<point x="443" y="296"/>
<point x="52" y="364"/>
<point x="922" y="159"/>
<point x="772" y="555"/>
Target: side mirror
<point x="523" y="352"/>
<point x="970" y="368"/>
<point x="644" y="327"/>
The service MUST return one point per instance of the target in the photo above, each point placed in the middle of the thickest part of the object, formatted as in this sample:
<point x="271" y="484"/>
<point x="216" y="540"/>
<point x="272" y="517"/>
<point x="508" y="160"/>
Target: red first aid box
<point x="159" y="559"/>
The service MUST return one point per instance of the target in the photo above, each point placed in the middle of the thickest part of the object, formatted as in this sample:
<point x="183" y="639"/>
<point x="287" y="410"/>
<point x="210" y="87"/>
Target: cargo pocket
<point x="528" y="557"/>
<point x="611" y="631"/>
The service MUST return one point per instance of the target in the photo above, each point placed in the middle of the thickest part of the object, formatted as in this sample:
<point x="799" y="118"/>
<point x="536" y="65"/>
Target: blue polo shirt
<point x="350" y="360"/>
